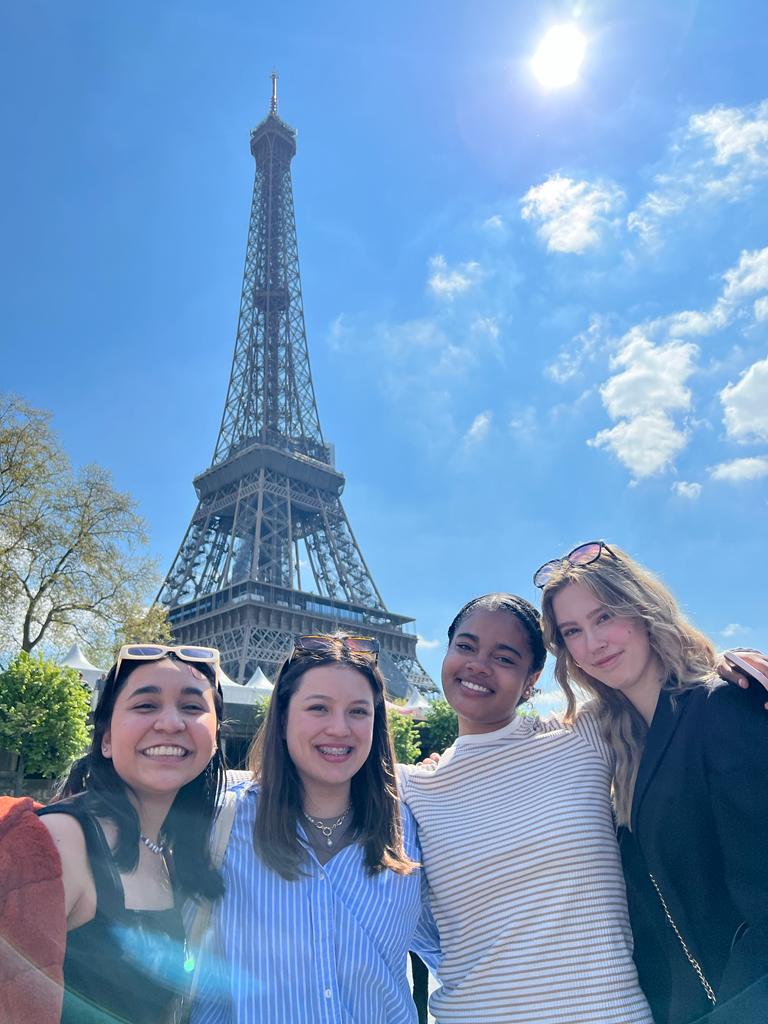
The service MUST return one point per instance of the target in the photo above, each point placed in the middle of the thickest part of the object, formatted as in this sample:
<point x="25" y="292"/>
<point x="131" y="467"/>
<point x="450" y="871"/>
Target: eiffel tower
<point x="269" y="552"/>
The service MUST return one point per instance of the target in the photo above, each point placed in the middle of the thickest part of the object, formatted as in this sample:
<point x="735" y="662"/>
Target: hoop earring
<point x="528" y="695"/>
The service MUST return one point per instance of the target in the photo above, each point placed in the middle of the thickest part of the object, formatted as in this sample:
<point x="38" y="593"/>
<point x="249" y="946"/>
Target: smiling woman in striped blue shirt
<point x="324" y="892"/>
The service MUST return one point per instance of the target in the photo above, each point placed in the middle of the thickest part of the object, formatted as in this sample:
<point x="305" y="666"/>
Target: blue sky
<point x="535" y="317"/>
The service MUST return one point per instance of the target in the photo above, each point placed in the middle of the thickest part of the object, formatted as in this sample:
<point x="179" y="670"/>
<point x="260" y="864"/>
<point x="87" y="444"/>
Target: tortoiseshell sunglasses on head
<point x="329" y="642"/>
<point x="581" y="555"/>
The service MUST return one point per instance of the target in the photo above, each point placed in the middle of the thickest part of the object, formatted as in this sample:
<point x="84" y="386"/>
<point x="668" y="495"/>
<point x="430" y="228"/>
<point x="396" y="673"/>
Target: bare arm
<point x="79" y="888"/>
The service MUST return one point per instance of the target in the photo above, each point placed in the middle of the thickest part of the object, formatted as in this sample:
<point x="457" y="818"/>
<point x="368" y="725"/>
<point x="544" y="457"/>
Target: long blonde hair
<point x="686" y="655"/>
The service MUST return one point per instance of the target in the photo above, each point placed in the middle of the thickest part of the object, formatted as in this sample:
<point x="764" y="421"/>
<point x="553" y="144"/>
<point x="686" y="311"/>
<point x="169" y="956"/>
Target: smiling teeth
<point x="165" y="752"/>
<point x="475" y="686"/>
<point x="334" y="751"/>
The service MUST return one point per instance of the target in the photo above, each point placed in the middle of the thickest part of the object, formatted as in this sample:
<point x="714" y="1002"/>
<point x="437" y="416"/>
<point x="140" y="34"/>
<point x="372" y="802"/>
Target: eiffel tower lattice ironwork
<point x="269" y="552"/>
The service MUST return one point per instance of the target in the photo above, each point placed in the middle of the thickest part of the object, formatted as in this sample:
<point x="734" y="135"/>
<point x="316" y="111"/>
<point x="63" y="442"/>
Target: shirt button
<point x="328" y="993"/>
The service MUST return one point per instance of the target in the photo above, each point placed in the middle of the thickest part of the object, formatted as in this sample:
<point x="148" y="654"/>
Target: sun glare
<point x="559" y="56"/>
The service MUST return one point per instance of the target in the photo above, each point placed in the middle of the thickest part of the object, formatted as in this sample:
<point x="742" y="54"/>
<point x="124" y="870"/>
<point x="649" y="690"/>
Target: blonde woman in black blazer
<point x="691" y="784"/>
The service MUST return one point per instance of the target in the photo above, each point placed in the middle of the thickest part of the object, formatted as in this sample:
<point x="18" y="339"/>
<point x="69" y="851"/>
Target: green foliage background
<point x="43" y="714"/>
<point x="405" y="737"/>
<point x="440" y="728"/>
<point x="416" y="740"/>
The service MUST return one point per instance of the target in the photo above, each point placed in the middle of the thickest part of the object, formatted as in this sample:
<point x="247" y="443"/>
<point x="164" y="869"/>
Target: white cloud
<point x="739" y="470"/>
<point x="742" y="281"/>
<point x="695" y="322"/>
<point x="582" y="349"/>
<point x="746" y="404"/>
<point x="761" y="308"/>
<point x="651" y="378"/>
<point x="494" y="223"/>
<point x="338" y="333"/>
<point x="682" y="489"/>
<point x="653" y="365"/>
<point x="571" y="216"/>
<point x="646" y="444"/>
<point x="733" y="135"/>
<point x="427" y="645"/>
<point x="750" y="275"/>
<point x="408" y="343"/>
<point x="734" y="629"/>
<point x="487" y="325"/>
<point x="719" y="156"/>
<point x="478" y="430"/>
<point x="524" y="423"/>
<point x="447" y="282"/>
<point x="654" y="209"/>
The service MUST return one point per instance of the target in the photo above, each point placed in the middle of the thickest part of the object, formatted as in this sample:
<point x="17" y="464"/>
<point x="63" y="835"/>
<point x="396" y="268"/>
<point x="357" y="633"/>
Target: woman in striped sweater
<point x="518" y="843"/>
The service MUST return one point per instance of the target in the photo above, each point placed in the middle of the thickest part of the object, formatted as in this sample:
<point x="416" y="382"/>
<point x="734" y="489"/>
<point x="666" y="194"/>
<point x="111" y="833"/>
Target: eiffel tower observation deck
<point x="269" y="552"/>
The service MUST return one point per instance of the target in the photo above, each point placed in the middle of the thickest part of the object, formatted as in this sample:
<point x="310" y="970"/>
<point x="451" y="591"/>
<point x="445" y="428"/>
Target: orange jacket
<point x="33" y="926"/>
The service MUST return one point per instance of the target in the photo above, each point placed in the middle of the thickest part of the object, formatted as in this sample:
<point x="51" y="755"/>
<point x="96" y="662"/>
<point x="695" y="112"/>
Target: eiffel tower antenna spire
<point x="269" y="552"/>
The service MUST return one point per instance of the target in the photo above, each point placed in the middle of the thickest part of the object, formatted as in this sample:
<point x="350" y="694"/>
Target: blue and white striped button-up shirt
<point x="328" y="948"/>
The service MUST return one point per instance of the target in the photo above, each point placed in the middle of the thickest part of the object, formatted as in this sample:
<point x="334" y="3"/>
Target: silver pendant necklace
<point x="327" y="828"/>
<point x="158" y="848"/>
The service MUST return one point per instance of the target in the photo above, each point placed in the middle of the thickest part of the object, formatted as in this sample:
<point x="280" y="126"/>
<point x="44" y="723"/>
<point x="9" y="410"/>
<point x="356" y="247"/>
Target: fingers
<point x="732" y="675"/>
<point x="430" y="762"/>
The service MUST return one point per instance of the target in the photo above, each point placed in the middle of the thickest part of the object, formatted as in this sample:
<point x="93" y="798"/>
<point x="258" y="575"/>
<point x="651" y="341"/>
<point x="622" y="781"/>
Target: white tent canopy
<point x="257" y="687"/>
<point x="234" y="693"/>
<point x="77" y="660"/>
<point x="260" y="683"/>
<point x="418" y="704"/>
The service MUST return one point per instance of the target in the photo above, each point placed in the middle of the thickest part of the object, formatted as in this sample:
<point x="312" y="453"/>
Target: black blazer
<point x="700" y="826"/>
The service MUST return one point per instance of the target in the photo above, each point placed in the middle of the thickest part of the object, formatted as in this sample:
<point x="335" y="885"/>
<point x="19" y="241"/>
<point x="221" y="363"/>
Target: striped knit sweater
<point x="525" y="879"/>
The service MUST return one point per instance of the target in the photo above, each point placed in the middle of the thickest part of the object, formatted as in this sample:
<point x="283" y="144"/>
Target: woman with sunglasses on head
<point x="690" y="784"/>
<point x="518" y="843"/>
<point x="131" y="828"/>
<point x="324" y="894"/>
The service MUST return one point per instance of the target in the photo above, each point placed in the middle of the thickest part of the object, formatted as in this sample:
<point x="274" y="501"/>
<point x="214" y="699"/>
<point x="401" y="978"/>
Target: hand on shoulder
<point x="736" y="664"/>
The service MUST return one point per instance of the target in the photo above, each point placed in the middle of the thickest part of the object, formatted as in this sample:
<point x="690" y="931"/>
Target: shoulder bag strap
<point x="688" y="955"/>
<point x="202" y="917"/>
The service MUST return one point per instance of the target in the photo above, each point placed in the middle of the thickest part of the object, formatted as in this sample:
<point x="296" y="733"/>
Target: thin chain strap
<point x="689" y="956"/>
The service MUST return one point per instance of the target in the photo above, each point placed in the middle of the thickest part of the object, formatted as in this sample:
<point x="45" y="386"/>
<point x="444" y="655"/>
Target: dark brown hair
<point x="375" y="804"/>
<point x="187" y="827"/>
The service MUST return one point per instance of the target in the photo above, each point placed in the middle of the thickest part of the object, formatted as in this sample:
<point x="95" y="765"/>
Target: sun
<point x="557" y="61"/>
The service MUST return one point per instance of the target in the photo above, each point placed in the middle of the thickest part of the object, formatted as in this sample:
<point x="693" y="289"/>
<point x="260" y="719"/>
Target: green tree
<point x="29" y="456"/>
<point x="405" y="736"/>
<point x="136" y="624"/>
<point x="43" y="715"/>
<point x="441" y="727"/>
<point x="71" y="547"/>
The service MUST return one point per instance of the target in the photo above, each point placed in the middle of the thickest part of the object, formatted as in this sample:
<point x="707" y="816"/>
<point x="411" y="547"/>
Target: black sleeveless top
<point x="123" y="965"/>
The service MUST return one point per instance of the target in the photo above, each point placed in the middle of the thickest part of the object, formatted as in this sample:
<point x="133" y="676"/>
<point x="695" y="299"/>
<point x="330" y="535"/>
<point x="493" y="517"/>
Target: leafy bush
<point x="43" y="714"/>
<point x="405" y="737"/>
<point x="440" y="728"/>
